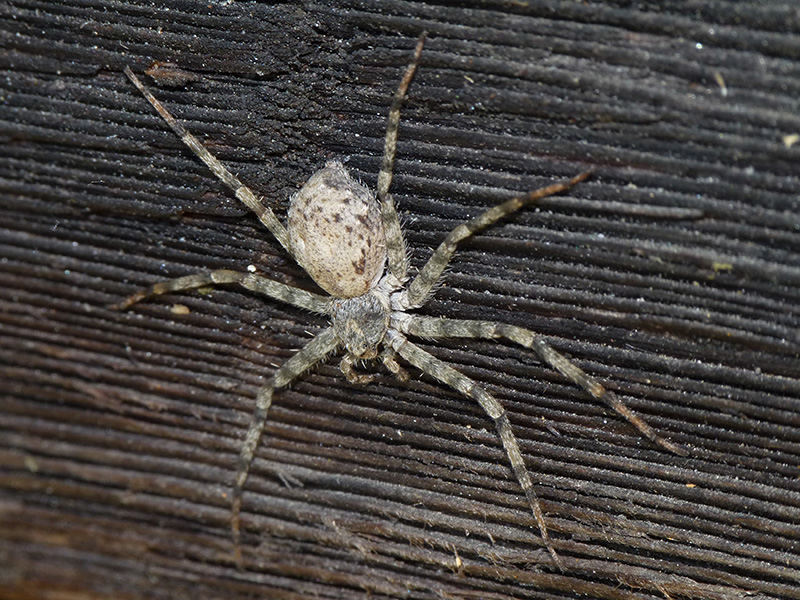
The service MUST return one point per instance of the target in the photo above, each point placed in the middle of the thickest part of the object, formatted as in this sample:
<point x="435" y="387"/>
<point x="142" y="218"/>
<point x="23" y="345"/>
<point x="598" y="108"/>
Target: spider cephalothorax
<point x="350" y="242"/>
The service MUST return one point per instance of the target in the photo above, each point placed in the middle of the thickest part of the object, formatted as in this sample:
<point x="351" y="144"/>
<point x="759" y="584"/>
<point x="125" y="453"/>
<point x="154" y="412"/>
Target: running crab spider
<point x="343" y="235"/>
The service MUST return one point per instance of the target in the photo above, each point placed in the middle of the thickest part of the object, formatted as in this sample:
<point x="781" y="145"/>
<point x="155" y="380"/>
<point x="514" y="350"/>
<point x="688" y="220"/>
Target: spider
<point x="343" y="236"/>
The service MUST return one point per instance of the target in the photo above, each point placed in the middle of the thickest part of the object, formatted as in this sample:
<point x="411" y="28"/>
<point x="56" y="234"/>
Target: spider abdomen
<point x="336" y="232"/>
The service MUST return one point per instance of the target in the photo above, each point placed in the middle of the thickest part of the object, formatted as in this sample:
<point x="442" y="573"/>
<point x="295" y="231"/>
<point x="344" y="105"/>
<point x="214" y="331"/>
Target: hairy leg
<point x="429" y="327"/>
<point x="418" y="290"/>
<point x="434" y="367"/>
<point x="243" y="193"/>
<point x="395" y="244"/>
<point x="273" y="289"/>
<point x="312" y="353"/>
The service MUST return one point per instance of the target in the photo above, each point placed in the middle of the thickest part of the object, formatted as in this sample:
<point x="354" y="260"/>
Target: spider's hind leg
<point x="395" y="244"/>
<point x="188" y="282"/>
<point x="421" y="287"/>
<point x="242" y="192"/>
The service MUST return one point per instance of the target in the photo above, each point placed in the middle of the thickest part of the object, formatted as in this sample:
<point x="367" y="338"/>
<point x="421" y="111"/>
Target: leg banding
<point x="432" y="327"/>
<point x="431" y="365"/>
<point x="243" y="193"/>
<point x="312" y="353"/>
<point x="396" y="253"/>
<point x="393" y="125"/>
<point x="261" y="285"/>
<point x="251" y="440"/>
<point x="395" y="244"/>
<point x="420" y="288"/>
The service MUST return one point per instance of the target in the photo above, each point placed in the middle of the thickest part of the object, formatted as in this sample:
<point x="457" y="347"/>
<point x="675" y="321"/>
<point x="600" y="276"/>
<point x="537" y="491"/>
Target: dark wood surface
<point x="672" y="275"/>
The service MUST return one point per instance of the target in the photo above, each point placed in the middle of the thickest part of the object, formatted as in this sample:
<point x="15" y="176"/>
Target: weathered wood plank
<point x="119" y="431"/>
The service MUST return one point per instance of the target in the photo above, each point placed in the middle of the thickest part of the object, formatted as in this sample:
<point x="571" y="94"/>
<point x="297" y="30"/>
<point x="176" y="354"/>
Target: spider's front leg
<point x="429" y="364"/>
<point x="312" y="353"/>
<point x="315" y="351"/>
<point x="428" y="327"/>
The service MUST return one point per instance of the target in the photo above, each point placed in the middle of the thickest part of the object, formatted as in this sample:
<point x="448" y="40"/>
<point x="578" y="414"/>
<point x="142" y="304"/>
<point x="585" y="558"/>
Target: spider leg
<point x="429" y="327"/>
<point x="242" y="192"/>
<point x="419" y="289"/>
<point x="431" y="365"/>
<point x="312" y="353"/>
<point x="267" y="287"/>
<point x="395" y="244"/>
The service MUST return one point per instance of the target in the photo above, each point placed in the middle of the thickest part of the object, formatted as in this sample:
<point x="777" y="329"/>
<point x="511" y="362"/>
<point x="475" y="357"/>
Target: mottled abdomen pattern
<point x="336" y="232"/>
